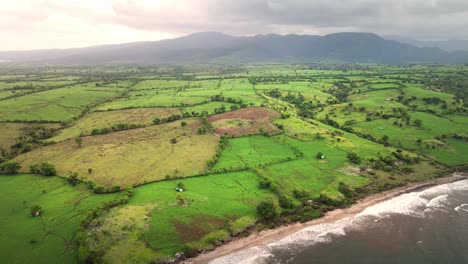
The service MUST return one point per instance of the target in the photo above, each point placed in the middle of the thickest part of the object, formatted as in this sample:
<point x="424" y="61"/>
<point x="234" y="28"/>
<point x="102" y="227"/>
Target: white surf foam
<point x="412" y="204"/>
<point x="461" y="207"/>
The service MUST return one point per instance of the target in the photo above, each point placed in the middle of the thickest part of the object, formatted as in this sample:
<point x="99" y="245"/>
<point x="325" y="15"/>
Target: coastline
<point x="265" y="237"/>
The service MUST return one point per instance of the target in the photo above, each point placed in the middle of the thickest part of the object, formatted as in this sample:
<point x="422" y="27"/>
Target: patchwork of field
<point x="99" y="120"/>
<point x="131" y="157"/>
<point x="205" y="147"/>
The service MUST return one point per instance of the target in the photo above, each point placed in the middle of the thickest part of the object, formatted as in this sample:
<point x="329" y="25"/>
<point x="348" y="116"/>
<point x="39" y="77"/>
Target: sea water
<point x="425" y="226"/>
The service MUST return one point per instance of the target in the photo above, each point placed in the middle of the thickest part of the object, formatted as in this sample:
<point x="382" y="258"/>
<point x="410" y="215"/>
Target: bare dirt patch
<point x="246" y="121"/>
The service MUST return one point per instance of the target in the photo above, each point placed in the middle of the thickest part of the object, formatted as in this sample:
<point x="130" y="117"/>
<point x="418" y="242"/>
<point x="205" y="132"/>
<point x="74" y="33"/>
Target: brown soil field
<point x="246" y="121"/>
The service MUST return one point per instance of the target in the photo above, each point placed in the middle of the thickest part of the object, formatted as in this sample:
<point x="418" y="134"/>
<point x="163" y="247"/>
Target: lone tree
<point x="180" y="185"/>
<point x="417" y="123"/>
<point x="354" y="158"/>
<point x="266" y="210"/>
<point x="35" y="210"/>
<point x="183" y="123"/>
<point x="10" y="167"/>
<point x="79" y="141"/>
<point x="173" y="140"/>
<point x="319" y="155"/>
<point x="73" y="178"/>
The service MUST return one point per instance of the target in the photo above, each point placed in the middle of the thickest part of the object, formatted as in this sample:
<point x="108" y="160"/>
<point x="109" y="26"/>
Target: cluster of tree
<point x="220" y="98"/>
<point x="30" y="137"/>
<point x="171" y="118"/>
<point x="304" y="107"/>
<point x="10" y="167"/>
<point x="115" y="128"/>
<point x="43" y="168"/>
<point x="454" y="136"/>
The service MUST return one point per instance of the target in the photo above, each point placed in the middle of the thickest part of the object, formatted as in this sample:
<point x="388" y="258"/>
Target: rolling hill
<point x="213" y="47"/>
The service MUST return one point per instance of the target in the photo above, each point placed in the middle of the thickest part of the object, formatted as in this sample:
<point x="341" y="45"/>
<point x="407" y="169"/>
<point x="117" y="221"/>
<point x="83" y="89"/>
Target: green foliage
<point x="73" y="178"/>
<point x="319" y="155"/>
<point x="267" y="211"/>
<point x="10" y="167"/>
<point x="79" y="141"/>
<point x="181" y="185"/>
<point x="35" y="210"/>
<point x="353" y="157"/>
<point x="99" y="189"/>
<point x="43" y="168"/>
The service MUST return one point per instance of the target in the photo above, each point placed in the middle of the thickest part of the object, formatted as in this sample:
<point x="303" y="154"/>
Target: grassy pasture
<point x="240" y="89"/>
<point x="140" y="116"/>
<point x="254" y="151"/>
<point x="206" y="108"/>
<point x="133" y="156"/>
<point x="153" y="98"/>
<point x="303" y="174"/>
<point x="245" y="121"/>
<point x="160" y="84"/>
<point x="213" y="203"/>
<point x="45" y="239"/>
<point x="53" y="105"/>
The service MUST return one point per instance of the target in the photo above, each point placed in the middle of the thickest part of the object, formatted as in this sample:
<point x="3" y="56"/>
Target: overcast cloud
<point x="32" y="24"/>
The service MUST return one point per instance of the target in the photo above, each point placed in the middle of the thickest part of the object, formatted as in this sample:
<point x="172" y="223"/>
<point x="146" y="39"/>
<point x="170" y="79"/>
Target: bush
<point x="43" y="168"/>
<point x="10" y="167"/>
<point x="285" y="202"/>
<point x="99" y="189"/>
<point x="35" y="210"/>
<point x="266" y="210"/>
<point x="73" y="178"/>
<point x="345" y="190"/>
<point x="319" y="155"/>
<point x="115" y="188"/>
<point x="354" y="158"/>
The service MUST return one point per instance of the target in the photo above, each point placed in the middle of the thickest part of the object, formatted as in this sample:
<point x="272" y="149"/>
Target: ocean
<point x="424" y="226"/>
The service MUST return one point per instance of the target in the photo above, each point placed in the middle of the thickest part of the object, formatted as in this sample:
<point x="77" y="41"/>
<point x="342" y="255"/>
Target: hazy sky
<point x="34" y="24"/>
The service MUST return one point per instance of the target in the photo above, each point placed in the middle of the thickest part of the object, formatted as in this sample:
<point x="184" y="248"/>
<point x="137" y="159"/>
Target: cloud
<point x="72" y="23"/>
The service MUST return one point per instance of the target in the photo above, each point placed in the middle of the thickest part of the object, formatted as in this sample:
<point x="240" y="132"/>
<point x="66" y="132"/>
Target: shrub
<point x="73" y="178"/>
<point x="115" y="188"/>
<point x="43" y="168"/>
<point x="266" y="210"/>
<point x="10" y="167"/>
<point x="35" y="210"/>
<point x="319" y="155"/>
<point x="99" y="189"/>
<point x="354" y="158"/>
<point x="183" y="123"/>
<point x="285" y="202"/>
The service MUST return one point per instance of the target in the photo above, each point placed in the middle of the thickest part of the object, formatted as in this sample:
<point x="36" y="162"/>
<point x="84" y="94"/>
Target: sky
<point x="41" y="24"/>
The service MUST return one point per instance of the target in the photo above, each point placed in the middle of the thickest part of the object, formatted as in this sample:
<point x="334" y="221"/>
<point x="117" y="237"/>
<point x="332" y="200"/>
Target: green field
<point x="51" y="237"/>
<point x="298" y="139"/>
<point x="54" y="105"/>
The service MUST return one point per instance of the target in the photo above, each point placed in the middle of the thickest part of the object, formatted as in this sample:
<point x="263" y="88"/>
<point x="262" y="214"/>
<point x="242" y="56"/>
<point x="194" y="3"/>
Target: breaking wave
<point x="414" y="204"/>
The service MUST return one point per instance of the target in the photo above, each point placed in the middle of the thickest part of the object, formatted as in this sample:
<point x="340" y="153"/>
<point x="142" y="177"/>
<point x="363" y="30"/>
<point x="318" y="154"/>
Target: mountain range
<point x="214" y="47"/>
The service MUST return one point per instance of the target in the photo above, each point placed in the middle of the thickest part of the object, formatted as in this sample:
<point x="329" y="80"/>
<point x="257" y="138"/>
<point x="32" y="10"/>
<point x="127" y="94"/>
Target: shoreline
<point x="268" y="236"/>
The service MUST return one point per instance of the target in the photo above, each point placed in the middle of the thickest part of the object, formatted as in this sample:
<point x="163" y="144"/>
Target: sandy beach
<point x="268" y="236"/>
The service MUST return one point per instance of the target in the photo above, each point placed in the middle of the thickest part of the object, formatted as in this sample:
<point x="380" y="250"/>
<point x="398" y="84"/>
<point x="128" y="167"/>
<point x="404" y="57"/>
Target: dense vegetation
<point x="139" y="164"/>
